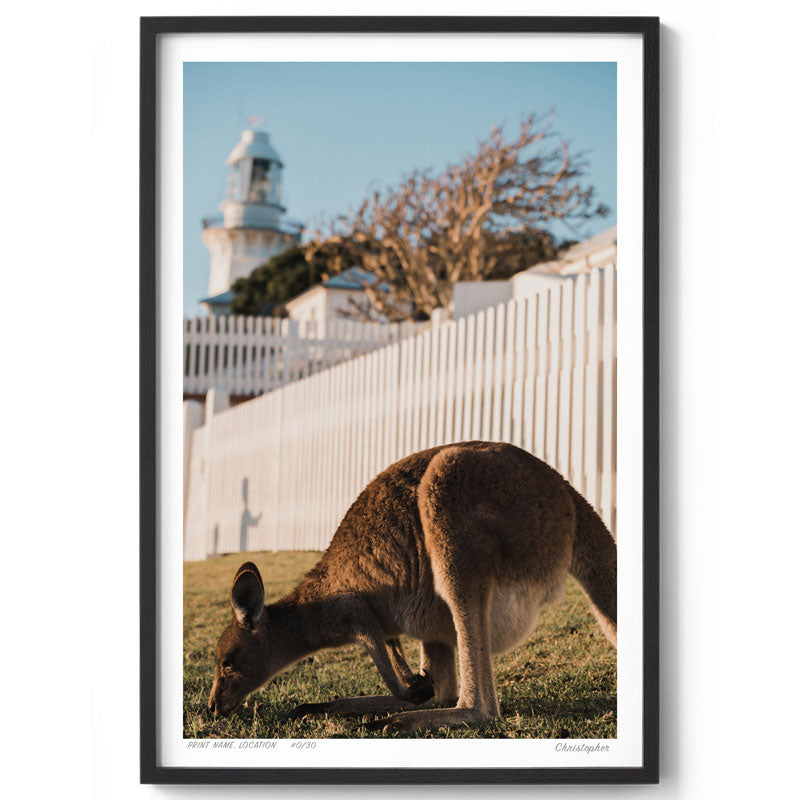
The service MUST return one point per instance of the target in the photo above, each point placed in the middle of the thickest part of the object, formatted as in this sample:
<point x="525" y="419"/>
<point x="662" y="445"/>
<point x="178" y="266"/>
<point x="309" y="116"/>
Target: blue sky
<point x="344" y="128"/>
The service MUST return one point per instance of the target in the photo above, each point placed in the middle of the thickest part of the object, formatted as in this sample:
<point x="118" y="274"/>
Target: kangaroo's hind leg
<point x="471" y="619"/>
<point x="464" y="525"/>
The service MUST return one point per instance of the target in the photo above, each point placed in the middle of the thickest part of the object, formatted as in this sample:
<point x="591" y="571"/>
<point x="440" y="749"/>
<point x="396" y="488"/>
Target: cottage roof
<point x="353" y="278"/>
<point x="219" y="299"/>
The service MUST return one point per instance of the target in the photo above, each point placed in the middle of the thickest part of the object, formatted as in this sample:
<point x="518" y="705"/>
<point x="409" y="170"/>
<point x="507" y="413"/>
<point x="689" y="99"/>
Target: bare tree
<point x="421" y="237"/>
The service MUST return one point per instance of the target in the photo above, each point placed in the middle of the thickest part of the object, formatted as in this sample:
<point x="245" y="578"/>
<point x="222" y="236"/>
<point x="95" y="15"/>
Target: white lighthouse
<point x="253" y="228"/>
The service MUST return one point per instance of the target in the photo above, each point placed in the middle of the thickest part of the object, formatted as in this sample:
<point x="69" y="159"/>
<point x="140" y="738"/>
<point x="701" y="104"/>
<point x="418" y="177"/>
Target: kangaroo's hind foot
<point x="409" y="721"/>
<point x="353" y="707"/>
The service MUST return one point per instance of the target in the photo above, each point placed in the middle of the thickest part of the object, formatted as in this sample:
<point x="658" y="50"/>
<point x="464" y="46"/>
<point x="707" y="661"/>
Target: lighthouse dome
<point x="256" y="145"/>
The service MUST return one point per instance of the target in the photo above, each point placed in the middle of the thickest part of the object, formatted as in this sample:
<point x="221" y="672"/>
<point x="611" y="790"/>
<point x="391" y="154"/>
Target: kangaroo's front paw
<point x="420" y="689"/>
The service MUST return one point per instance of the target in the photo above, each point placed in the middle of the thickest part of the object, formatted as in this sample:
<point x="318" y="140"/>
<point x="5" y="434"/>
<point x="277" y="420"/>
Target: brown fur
<point x="457" y="546"/>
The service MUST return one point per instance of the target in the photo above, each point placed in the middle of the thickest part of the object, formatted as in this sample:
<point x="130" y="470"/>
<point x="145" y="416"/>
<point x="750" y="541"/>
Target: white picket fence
<point x="253" y="355"/>
<point x="279" y="472"/>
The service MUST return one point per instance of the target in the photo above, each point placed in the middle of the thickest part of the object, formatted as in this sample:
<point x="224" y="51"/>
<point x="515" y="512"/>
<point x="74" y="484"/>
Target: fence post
<point x="217" y="400"/>
<point x="192" y="420"/>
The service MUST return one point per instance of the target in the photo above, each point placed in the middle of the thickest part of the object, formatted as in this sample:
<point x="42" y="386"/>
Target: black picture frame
<point x="151" y="28"/>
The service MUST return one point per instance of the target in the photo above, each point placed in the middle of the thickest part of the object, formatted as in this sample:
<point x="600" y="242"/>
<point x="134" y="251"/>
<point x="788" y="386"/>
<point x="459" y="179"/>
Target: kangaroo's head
<point x="242" y="665"/>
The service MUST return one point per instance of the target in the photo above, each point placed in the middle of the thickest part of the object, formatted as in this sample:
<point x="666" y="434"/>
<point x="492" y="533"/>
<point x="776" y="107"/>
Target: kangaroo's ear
<point x="247" y="595"/>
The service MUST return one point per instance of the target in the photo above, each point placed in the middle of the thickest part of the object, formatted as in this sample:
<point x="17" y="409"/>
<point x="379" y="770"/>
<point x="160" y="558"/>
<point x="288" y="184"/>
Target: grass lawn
<point x="560" y="684"/>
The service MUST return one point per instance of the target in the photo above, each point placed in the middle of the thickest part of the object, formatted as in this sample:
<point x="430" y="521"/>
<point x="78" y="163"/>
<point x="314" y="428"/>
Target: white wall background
<point x="729" y="387"/>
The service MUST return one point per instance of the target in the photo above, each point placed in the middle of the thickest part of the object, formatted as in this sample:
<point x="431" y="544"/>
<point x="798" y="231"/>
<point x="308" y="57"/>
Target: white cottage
<point x="597" y="251"/>
<point x="333" y="298"/>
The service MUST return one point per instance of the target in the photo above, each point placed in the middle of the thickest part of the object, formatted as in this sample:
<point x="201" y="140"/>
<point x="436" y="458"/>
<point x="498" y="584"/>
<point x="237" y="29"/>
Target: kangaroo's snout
<point x="217" y="706"/>
<point x="224" y="699"/>
<point x="216" y="700"/>
<point x="212" y="698"/>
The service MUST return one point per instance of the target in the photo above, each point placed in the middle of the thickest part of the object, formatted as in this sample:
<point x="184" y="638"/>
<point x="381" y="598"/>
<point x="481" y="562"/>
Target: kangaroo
<point x="457" y="546"/>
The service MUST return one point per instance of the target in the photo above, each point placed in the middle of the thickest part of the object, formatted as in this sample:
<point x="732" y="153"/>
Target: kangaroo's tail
<point x="594" y="565"/>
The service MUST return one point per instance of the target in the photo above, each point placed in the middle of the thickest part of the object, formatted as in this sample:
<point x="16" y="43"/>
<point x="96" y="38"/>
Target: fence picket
<point x="441" y="395"/>
<point x="416" y="402"/>
<point x="576" y="476"/>
<point x="565" y="379"/>
<point x="401" y="396"/>
<point x="451" y="386"/>
<point x="393" y="389"/>
<point x="519" y="375"/>
<point x="469" y="378"/>
<point x="379" y="411"/>
<point x="609" y="400"/>
<point x="425" y="391"/>
<point x="499" y="361"/>
<point x="478" y="374"/>
<point x="433" y="387"/>
<point x="488" y="374"/>
<point x="554" y="341"/>
<point x="337" y="478"/>
<point x="529" y="396"/>
<point x="359" y="412"/>
<point x="372" y="414"/>
<point x="508" y="370"/>
<point x="592" y="416"/>
<point x="458" y="397"/>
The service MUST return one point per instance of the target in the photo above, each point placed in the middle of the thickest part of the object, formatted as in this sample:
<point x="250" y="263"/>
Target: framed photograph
<point x="399" y="400"/>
